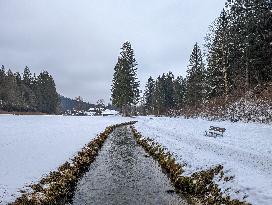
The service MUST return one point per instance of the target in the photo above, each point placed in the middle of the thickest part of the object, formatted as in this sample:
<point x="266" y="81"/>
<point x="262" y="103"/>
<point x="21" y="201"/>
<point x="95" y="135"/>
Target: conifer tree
<point x="249" y="61"/>
<point x="217" y="44"/>
<point x="159" y="96"/>
<point x="46" y="94"/>
<point x="27" y="91"/>
<point x="195" y="91"/>
<point x="179" y="85"/>
<point x="11" y="95"/>
<point x="169" y="91"/>
<point x="149" y="95"/>
<point x="27" y="77"/>
<point x="2" y="86"/>
<point x="125" y="87"/>
<point x="22" y="106"/>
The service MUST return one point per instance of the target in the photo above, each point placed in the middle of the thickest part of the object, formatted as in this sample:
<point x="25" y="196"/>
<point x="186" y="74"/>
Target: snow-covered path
<point x="245" y="151"/>
<point x="32" y="146"/>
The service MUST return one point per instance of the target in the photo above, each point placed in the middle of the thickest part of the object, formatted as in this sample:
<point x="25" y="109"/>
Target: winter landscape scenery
<point x="136" y="102"/>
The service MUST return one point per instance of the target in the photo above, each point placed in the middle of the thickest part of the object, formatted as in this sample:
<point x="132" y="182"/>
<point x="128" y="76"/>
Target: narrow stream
<point x="124" y="174"/>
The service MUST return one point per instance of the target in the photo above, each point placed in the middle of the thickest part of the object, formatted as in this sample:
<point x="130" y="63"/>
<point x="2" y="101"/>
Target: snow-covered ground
<point x="32" y="146"/>
<point x="245" y="151"/>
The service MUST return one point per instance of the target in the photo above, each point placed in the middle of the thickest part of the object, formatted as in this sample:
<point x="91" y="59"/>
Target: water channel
<point x="124" y="174"/>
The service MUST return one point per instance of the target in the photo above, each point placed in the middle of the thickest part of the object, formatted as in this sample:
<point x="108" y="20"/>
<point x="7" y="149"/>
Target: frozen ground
<point x="32" y="146"/>
<point x="245" y="151"/>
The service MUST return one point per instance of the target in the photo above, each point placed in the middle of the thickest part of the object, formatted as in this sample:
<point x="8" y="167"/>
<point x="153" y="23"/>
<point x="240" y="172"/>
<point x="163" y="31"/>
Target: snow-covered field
<point x="32" y="146"/>
<point x="245" y="151"/>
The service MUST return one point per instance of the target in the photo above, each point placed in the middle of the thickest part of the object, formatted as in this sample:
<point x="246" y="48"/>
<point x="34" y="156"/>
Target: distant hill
<point x="70" y="104"/>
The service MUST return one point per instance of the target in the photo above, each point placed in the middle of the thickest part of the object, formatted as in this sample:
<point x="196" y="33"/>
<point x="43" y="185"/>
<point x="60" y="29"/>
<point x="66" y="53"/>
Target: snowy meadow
<point x="32" y="146"/>
<point x="245" y="151"/>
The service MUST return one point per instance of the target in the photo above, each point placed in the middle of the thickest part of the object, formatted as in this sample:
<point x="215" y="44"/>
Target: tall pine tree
<point x="149" y="96"/>
<point x="169" y="91"/>
<point x="12" y="94"/>
<point x="27" y="91"/>
<point x="159" y="96"/>
<point x="195" y="92"/>
<point x="125" y="86"/>
<point x="2" y="86"/>
<point x="179" y="85"/>
<point x="217" y="44"/>
<point x="46" y="94"/>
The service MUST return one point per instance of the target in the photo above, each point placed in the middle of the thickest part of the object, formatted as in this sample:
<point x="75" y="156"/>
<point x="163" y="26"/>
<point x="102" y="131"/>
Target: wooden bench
<point x="215" y="131"/>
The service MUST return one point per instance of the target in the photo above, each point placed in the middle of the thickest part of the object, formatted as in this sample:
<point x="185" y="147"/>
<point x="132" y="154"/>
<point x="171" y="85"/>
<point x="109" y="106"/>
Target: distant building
<point x="108" y="112"/>
<point x="92" y="112"/>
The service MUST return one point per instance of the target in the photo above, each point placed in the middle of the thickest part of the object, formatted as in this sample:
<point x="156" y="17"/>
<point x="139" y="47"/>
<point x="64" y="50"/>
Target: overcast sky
<point x="78" y="42"/>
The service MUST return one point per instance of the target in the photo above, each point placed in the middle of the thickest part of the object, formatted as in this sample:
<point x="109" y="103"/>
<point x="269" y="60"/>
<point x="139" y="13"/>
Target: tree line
<point x="239" y="47"/>
<point x="168" y="93"/>
<point x="237" y="59"/>
<point x="27" y="92"/>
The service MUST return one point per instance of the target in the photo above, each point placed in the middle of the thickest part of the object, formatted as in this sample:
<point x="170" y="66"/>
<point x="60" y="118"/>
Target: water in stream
<point x="124" y="174"/>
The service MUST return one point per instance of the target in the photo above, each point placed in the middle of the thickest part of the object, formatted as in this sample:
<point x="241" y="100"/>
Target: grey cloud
<point x="78" y="41"/>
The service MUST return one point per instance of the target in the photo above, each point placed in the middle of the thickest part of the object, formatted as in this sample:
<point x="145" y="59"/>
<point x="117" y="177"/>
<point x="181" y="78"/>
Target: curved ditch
<point x="124" y="174"/>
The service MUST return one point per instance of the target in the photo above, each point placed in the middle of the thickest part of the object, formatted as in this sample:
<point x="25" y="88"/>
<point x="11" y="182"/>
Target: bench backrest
<point x="219" y="129"/>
